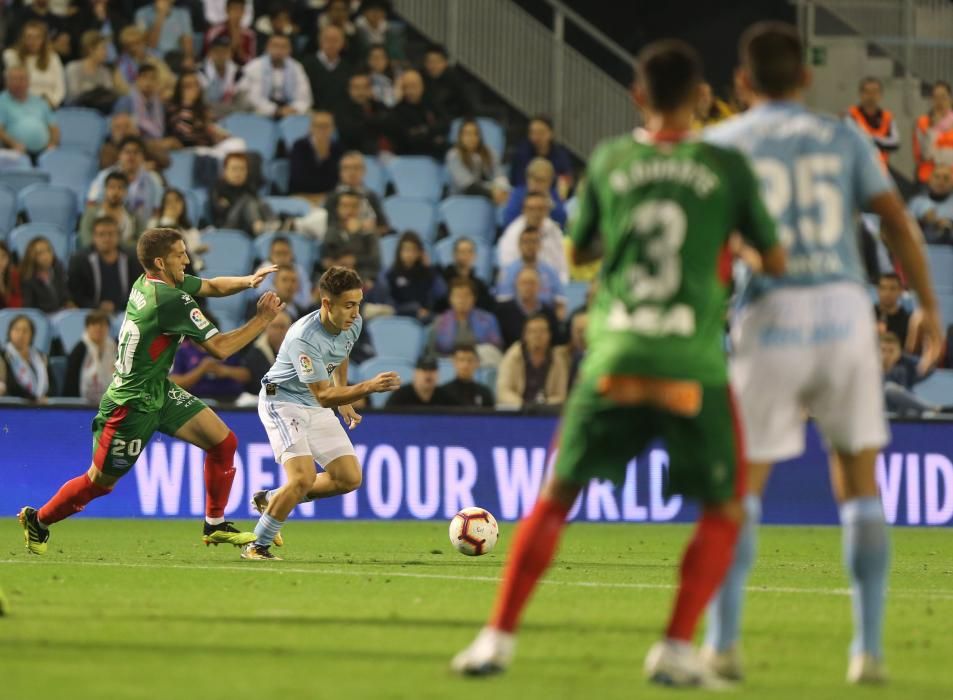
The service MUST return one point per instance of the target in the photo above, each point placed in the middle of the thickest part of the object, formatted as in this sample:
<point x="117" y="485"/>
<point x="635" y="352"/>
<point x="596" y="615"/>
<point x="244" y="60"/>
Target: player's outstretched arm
<point x="226" y="286"/>
<point x="224" y="345"/>
<point x="330" y="396"/>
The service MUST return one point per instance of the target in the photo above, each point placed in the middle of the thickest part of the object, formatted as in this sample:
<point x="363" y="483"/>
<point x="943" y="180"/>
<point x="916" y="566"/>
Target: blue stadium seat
<point x="21" y="178"/>
<point x="260" y="133"/>
<point x="72" y="169"/>
<point x="945" y="298"/>
<point x="375" y="365"/>
<point x="388" y="249"/>
<point x="493" y="134"/>
<point x="443" y="256"/>
<point x="180" y="173"/>
<point x="50" y="204"/>
<point x="294" y="127"/>
<point x="228" y="311"/>
<point x="278" y="175"/>
<point x="937" y="388"/>
<point x="940" y="258"/>
<point x="21" y="236"/>
<point x="375" y="177"/>
<point x="445" y="370"/>
<point x="487" y="377"/>
<point x="399" y="336"/>
<point x="416" y="176"/>
<point x="304" y="248"/>
<point x="576" y="293"/>
<point x="290" y="206"/>
<point x="115" y="323"/>
<point x="8" y="211"/>
<point x="57" y="374"/>
<point x="44" y="331"/>
<point x="195" y="200"/>
<point x="230" y="253"/>
<point x="412" y="214"/>
<point x="11" y="160"/>
<point x="69" y="325"/>
<point x="81" y="129"/>
<point x="466" y="215"/>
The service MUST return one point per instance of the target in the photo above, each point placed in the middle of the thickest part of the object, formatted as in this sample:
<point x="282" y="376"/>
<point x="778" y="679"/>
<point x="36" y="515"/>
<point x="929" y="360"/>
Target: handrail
<point x="591" y="30"/>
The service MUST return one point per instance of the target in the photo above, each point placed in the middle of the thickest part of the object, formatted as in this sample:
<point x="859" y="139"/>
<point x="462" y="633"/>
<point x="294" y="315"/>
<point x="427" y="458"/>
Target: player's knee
<point x="300" y="483"/>
<point x="226" y="449"/>
<point x="349" y="481"/>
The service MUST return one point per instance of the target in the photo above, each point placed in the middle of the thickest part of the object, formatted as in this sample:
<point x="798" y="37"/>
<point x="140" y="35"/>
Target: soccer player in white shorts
<point x="308" y="379"/>
<point x="805" y="343"/>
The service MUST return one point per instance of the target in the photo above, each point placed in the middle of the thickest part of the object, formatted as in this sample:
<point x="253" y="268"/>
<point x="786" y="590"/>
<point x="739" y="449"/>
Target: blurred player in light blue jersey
<point x="308" y="379"/>
<point x="805" y="343"/>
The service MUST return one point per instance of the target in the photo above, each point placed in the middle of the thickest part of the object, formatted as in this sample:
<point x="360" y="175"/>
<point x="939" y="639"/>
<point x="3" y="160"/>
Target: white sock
<point x="214" y="521"/>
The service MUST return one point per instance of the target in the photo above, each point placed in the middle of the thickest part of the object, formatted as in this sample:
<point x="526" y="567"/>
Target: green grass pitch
<point x="141" y="609"/>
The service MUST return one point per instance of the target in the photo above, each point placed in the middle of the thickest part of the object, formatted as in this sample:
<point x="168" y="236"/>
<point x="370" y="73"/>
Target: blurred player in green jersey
<point x="660" y="207"/>
<point x="142" y="400"/>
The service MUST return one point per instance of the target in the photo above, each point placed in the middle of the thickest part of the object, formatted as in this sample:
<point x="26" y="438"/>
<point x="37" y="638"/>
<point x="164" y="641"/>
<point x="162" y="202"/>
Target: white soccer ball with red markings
<point x="473" y="531"/>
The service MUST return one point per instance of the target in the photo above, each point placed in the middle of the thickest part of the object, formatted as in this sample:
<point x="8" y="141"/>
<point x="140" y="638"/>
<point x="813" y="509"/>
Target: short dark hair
<point x="670" y="71"/>
<point x="155" y="243"/>
<point x="235" y="156"/>
<point x="463" y="239"/>
<point x="235" y="2"/>
<point x="890" y="276"/>
<point x="338" y="280"/>
<point x="870" y="79"/>
<point x="108" y="220"/>
<point x="464" y="347"/>
<point x="286" y="268"/>
<point x="463" y="282"/>
<point x="774" y="56"/>
<point x="438" y="48"/>
<point x="137" y="140"/>
<point x="146" y="69"/>
<point x="544" y="118"/>
<point x="279" y="239"/>
<point x="116" y="176"/>
<point x="97" y="316"/>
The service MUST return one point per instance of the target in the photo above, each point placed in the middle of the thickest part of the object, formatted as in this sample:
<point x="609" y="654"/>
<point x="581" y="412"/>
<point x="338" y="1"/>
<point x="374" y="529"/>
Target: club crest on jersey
<point x="198" y="318"/>
<point x="187" y="299"/>
<point x="307" y="367"/>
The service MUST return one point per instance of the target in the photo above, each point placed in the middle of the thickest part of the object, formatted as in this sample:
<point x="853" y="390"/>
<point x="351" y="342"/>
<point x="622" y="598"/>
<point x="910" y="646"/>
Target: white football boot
<point x="491" y="652"/>
<point x="678" y="664"/>
<point x="724" y="664"/>
<point x="865" y="669"/>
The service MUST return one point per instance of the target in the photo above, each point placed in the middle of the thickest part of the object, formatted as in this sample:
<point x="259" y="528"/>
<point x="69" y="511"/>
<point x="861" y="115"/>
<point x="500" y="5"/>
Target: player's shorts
<point x="598" y="438"/>
<point x="808" y="351"/>
<point x="120" y="432"/>
<point x="303" y="431"/>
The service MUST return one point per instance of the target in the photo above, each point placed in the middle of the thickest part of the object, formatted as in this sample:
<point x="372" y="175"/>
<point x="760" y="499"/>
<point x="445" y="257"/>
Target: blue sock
<point x="724" y="612"/>
<point x="266" y="529"/>
<point x="866" y="558"/>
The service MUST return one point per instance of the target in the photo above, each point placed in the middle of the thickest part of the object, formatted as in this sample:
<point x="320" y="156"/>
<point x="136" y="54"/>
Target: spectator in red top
<point x="10" y="295"/>
<point x="933" y="135"/>
<point x="875" y="121"/>
<point x="242" y="38"/>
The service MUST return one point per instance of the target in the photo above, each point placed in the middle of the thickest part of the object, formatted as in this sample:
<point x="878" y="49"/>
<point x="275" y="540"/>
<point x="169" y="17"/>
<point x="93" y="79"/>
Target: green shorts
<point x="121" y="431"/>
<point x="598" y="438"/>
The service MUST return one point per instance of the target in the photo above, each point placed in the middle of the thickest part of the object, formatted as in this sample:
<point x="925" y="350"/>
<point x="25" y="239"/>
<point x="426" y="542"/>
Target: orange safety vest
<point x="882" y="131"/>
<point x="921" y="133"/>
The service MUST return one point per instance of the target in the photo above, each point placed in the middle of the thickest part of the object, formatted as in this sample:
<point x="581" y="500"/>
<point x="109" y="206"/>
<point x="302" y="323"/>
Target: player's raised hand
<point x="269" y="305"/>
<point x="384" y="382"/>
<point x="931" y="329"/>
<point x="260" y="274"/>
<point x="350" y="416"/>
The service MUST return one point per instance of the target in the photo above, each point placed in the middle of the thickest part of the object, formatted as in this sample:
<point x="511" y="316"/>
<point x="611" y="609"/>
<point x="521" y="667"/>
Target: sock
<point x="534" y="545"/>
<point x="866" y="558"/>
<point x="704" y="564"/>
<point x="219" y="474"/>
<point x="266" y="529"/>
<point x="70" y="500"/>
<point x="214" y="521"/>
<point x="724" y="613"/>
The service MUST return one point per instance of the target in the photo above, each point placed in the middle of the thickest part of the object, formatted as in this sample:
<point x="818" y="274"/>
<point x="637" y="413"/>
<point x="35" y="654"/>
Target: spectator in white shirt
<point x="535" y="214"/>
<point x="275" y="84"/>
<point x="34" y="52"/>
<point x="215" y="12"/>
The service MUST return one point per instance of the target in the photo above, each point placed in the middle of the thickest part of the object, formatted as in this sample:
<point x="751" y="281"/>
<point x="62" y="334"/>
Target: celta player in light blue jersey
<point x="805" y="343"/>
<point x="308" y="379"/>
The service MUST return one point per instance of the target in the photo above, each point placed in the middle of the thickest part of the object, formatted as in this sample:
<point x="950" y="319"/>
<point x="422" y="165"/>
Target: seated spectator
<point x="101" y="277"/>
<point x="337" y="14"/>
<point x="145" y="187"/>
<point x="113" y="206"/>
<point x="144" y="103"/>
<point x="281" y="253"/>
<point x="875" y="121"/>
<point x="89" y="80"/>
<point x="413" y="286"/>
<point x="360" y="119"/>
<point x="328" y="70"/>
<point x="512" y="314"/>
<point x="535" y="215"/>
<point x="216" y="12"/>
<point x="532" y="371"/>
<point x="888" y="309"/>
<point x="286" y="285"/>
<point x="933" y="134"/>
<point x="261" y="355"/>
<point x="464" y="324"/>
<point x="220" y="77"/>
<point x="241" y="39"/>
<point x="27" y="124"/>
<point x="89" y="367"/>
<point x="350" y="233"/>
<point x="235" y="204"/>
<point x="541" y="144"/>
<point x="373" y="28"/>
<point x="206" y="377"/>
<point x="11" y="296"/>
<point x="710" y="109"/>
<point x="551" y="291"/>
<point x="933" y="209"/>
<point x="21" y="14"/>
<point x="274" y="83"/>
<point x="464" y="265"/>
<point x="190" y="124"/>
<point x="351" y="171"/>
<point x="417" y="127"/>
<point x="277" y="20"/>
<point x="578" y="343"/>
<point x="24" y="372"/>
<point x="134" y="55"/>
<point x="423" y="389"/>
<point x="475" y="169"/>
<point x="385" y="78"/>
<point x="444" y="85"/>
<point x="42" y="277"/>
<point x="106" y="19"/>
<point x="901" y="372"/>
<point x="172" y="213"/>
<point x="122" y="125"/>
<point x="464" y="389"/>
<point x="315" y="159"/>
<point x="540" y="179"/>
<point x="168" y="28"/>
<point x="34" y="52"/>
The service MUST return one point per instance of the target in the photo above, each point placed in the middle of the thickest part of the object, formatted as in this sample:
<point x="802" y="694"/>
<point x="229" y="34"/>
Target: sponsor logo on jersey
<point x="198" y="318"/>
<point x="187" y="299"/>
<point x="307" y="367"/>
<point x="180" y="396"/>
<point x="331" y="367"/>
<point x="137" y="299"/>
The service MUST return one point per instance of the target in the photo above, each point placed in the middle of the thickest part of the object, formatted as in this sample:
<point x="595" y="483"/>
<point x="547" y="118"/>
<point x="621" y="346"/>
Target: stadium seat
<point x="260" y="133"/>
<point x="576" y="293"/>
<point x="180" y="173"/>
<point x="396" y="336"/>
<point x="289" y="206"/>
<point x="57" y="365"/>
<point x="937" y="388"/>
<point x="195" y="201"/>
<point x="443" y="256"/>
<point x="81" y="129"/>
<point x="294" y="127"/>
<point x="388" y="248"/>
<point x="50" y="204"/>
<point x="412" y="214"/>
<point x="940" y="258"/>
<point x="416" y="176"/>
<point x="493" y="134"/>
<point x="229" y="312"/>
<point x="21" y="178"/>
<point x="69" y="325"/>
<point x="304" y="248"/>
<point x="375" y="177"/>
<point x="277" y="175"/>
<point x="8" y="211"/>
<point x="445" y="370"/>
<point x="44" y="330"/>
<point x="230" y="253"/>
<point x="11" y="160"/>
<point x="375" y="365"/>
<point x="72" y="169"/>
<point x="466" y="215"/>
<point x="115" y="323"/>
<point x="487" y="377"/>
<point x="21" y="236"/>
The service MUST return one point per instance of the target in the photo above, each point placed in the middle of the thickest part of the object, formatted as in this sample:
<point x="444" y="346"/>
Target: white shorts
<point x="808" y="351"/>
<point x="303" y="431"/>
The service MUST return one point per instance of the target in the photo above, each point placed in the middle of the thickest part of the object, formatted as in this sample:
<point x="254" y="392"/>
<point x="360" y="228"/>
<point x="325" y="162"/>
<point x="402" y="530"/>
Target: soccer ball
<point x="473" y="531"/>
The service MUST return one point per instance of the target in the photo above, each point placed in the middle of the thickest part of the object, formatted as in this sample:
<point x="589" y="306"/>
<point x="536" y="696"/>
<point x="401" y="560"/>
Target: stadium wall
<point x="428" y="466"/>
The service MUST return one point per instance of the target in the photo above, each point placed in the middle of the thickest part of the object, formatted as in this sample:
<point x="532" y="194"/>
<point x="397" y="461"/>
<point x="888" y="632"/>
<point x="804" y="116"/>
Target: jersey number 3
<point x="660" y="275"/>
